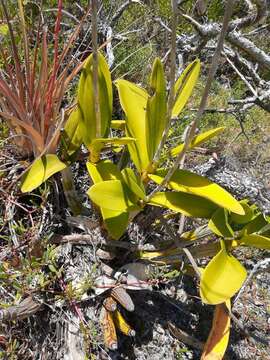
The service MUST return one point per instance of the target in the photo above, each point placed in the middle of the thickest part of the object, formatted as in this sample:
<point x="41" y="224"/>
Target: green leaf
<point x="247" y="217"/>
<point x="198" y="140"/>
<point x="257" y="241"/>
<point x="86" y="99"/>
<point x="219" y="224"/>
<point x="265" y="231"/>
<point x="53" y="269"/>
<point x="133" y="183"/>
<point x="98" y="144"/>
<point x="187" y="204"/>
<point x="186" y="181"/>
<point x="72" y="135"/>
<point x="133" y="100"/>
<point x="40" y="171"/>
<point x="116" y="222"/>
<point x="102" y="171"/>
<point x="111" y="194"/>
<point x="184" y="86"/>
<point x="255" y="225"/>
<point x="222" y="278"/>
<point x="156" y="108"/>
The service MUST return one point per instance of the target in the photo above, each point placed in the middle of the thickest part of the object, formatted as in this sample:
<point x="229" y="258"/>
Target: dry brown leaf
<point x="218" y="338"/>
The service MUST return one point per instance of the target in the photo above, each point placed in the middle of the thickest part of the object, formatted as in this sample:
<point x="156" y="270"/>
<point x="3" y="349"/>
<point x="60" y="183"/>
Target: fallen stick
<point x="185" y="337"/>
<point x="21" y="311"/>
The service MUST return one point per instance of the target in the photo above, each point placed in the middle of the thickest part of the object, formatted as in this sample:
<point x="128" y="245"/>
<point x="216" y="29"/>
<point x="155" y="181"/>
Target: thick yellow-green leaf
<point x="255" y="225"/>
<point x="149" y="255"/>
<point x="184" y="86"/>
<point x="187" y="204"/>
<point x="111" y="194"/>
<point x="40" y="171"/>
<point x="156" y="108"/>
<point x="198" y="140"/>
<point x="118" y="124"/>
<point x="265" y="231"/>
<point x="72" y="134"/>
<point x="218" y="338"/>
<point x="258" y="241"/>
<point x="243" y="219"/>
<point x="133" y="183"/>
<point x="103" y="171"/>
<point x="222" y="278"/>
<point x="175" y="255"/>
<point x="116" y="222"/>
<point x="186" y="181"/>
<point x="219" y="224"/>
<point x="100" y="143"/>
<point x="86" y="99"/>
<point x="196" y="234"/>
<point x="133" y="100"/>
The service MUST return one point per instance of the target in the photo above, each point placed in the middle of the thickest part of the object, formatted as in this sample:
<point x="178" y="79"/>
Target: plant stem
<point x="95" y="67"/>
<point x="71" y="195"/>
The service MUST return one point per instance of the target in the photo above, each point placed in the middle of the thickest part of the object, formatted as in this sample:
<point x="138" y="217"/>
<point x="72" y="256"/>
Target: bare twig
<point x="88" y="239"/>
<point x="180" y="244"/>
<point x="244" y="330"/>
<point x="185" y="337"/>
<point x="181" y="224"/>
<point x="192" y="262"/>
<point x="65" y="12"/>
<point x="250" y="87"/>
<point x="82" y="239"/>
<point x="251" y="18"/>
<point x="262" y="101"/>
<point x="121" y="9"/>
<point x="214" y="110"/>
<point x="260" y="265"/>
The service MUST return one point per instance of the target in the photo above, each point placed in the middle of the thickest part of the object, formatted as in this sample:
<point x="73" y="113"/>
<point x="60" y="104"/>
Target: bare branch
<point x="262" y="265"/>
<point x="254" y="92"/>
<point x="24" y="309"/>
<point x="235" y="38"/>
<point x="251" y="50"/>
<point x="121" y="9"/>
<point x="253" y="18"/>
